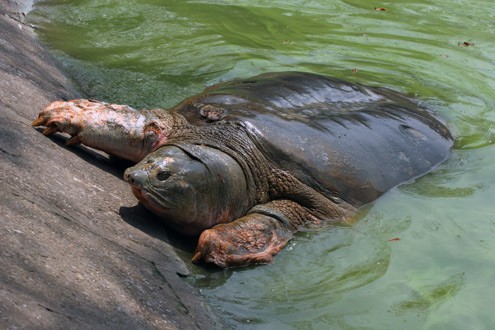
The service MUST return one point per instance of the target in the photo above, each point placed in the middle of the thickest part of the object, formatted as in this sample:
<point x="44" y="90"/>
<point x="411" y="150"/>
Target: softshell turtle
<point x="247" y="163"/>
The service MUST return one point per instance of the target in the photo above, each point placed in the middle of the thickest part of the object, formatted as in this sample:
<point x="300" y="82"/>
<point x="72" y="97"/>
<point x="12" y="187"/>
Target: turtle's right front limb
<point x="254" y="238"/>
<point x="116" y="129"/>
<point x="259" y="235"/>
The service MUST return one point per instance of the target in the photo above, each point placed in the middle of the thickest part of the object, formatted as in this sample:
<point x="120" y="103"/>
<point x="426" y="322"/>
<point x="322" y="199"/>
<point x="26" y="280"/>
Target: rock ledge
<point x="75" y="250"/>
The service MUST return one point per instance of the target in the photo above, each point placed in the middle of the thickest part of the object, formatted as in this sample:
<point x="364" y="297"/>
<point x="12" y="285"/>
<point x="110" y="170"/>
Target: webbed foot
<point x="253" y="239"/>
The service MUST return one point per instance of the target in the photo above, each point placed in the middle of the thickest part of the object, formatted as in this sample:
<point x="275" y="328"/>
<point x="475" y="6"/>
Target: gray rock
<point x="75" y="250"/>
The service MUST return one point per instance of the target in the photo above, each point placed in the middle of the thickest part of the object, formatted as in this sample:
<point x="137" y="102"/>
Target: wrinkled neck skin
<point x="233" y="140"/>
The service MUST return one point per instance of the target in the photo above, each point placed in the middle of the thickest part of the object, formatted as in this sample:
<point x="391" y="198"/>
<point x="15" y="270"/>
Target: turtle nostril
<point x="163" y="175"/>
<point x="135" y="177"/>
<point x="128" y="177"/>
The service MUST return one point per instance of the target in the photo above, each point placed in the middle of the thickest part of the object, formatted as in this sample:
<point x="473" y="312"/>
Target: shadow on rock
<point x="140" y="218"/>
<point x="112" y="165"/>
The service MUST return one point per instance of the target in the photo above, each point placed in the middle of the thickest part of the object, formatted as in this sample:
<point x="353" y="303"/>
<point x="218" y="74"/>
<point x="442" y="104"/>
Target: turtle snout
<point x="135" y="177"/>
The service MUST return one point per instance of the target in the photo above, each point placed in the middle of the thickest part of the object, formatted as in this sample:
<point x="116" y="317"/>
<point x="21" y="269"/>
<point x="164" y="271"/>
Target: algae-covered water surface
<point x="423" y="255"/>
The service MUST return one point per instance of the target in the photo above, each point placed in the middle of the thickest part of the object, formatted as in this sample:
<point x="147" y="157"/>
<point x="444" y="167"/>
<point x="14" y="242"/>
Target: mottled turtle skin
<point x="247" y="163"/>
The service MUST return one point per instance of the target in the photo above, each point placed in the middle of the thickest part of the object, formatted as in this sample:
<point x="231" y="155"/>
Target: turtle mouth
<point x="138" y="193"/>
<point x="150" y="200"/>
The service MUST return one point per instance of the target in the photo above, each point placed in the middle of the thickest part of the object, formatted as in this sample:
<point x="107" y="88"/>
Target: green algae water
<point x="423" y="255"/>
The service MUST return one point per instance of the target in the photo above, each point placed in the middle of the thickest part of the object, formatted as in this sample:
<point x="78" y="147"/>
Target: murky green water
<point x="440" y="274"/>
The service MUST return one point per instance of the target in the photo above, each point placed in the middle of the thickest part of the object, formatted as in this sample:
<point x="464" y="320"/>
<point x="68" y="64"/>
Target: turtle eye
<point x="163" y="175"/>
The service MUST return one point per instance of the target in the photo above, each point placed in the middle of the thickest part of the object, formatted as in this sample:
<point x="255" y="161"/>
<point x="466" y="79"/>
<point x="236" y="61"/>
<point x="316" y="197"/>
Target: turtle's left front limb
<point x="116" y="129"/>
<point x="256" y="237"/>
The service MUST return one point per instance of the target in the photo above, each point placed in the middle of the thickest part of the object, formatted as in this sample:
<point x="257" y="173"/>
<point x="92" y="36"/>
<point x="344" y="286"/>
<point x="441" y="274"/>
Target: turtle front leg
<point x="116" y="129"/>
<point x="254" y="238"/>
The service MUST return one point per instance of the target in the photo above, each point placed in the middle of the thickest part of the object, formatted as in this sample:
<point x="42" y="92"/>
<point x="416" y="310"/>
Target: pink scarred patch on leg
<point x="160" y="133"/>
<point x="161" y="140"/>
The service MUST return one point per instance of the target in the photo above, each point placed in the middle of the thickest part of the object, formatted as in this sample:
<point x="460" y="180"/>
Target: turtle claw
<point x="50" y="130"/>
<point x="60" y="116"/>
<point x="40" y="121"/>
<point x="197" y="257"/>
<point x="74" y="140"/>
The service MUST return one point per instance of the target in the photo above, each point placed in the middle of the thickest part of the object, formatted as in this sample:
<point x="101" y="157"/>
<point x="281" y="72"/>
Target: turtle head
<point x="191" y="188"/>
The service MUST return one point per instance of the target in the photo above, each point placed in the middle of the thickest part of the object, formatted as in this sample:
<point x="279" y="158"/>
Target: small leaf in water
<point x="394" y="239"/>
<point x="380" y="9"/>
<point x="466" y="44"/>
<point x="354" y="70"/>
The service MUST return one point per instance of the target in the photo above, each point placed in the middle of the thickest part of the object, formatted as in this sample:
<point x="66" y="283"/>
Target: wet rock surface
<point x="75" y="250"/>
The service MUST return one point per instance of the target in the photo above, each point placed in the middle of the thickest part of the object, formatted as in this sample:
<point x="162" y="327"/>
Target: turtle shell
<point x="343" y="139"/>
